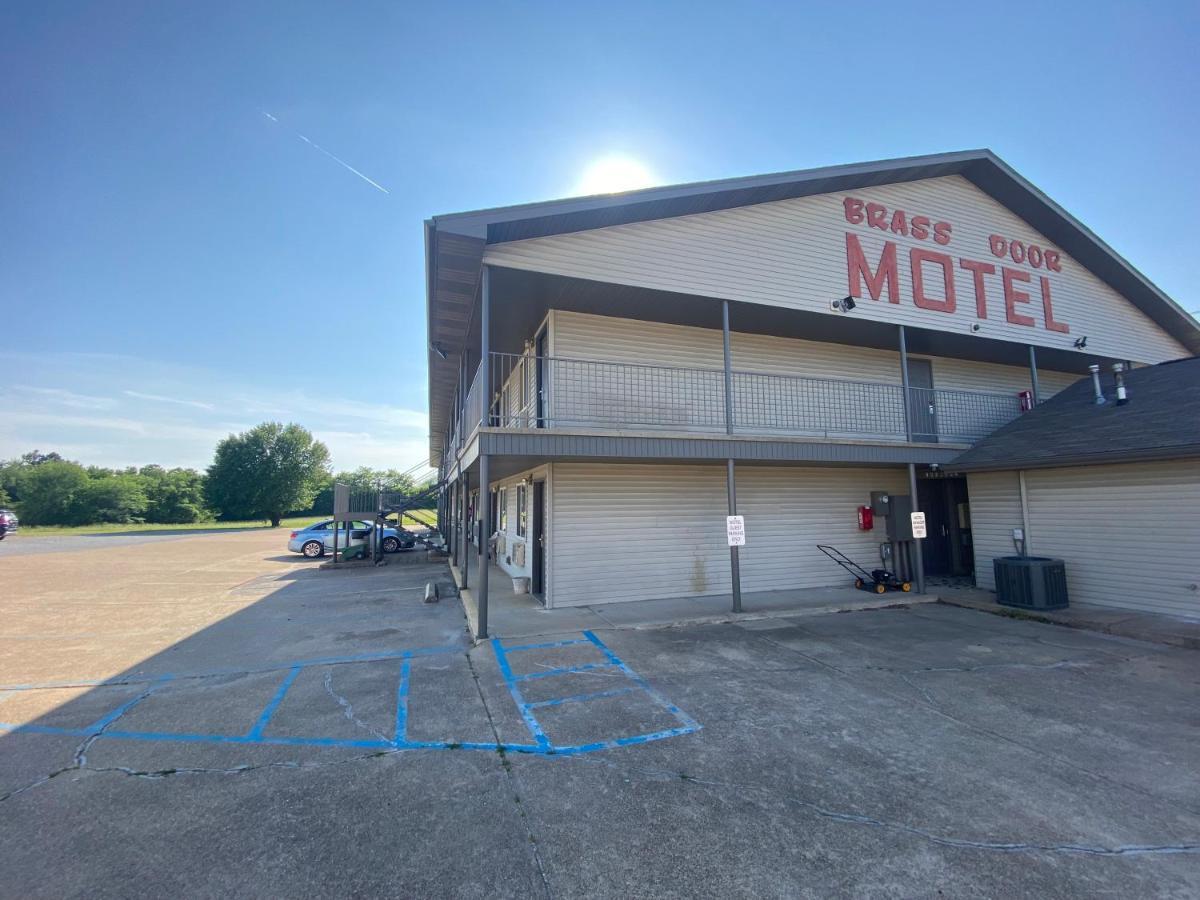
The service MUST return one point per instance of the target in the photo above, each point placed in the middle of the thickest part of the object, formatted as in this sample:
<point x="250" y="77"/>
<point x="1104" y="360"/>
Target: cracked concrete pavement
<point x="901" y="752"/>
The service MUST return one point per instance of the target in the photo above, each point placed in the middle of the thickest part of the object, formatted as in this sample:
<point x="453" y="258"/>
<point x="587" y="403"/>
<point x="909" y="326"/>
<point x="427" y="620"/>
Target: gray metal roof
<point x="1160" y="421"/>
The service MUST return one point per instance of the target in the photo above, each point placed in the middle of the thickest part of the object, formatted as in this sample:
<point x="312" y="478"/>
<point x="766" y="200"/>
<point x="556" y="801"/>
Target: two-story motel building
<point x="621" y="372"/>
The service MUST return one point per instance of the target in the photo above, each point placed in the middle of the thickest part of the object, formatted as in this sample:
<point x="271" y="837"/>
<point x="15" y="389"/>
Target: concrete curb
<point x="1149" y="627"/>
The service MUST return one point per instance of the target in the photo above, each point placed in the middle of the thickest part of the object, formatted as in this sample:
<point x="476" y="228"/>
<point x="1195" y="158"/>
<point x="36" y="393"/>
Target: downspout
<point x="1024" y="512"/>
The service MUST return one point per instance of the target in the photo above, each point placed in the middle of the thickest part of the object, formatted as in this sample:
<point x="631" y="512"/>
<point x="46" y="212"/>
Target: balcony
<point x="555" y="393"/>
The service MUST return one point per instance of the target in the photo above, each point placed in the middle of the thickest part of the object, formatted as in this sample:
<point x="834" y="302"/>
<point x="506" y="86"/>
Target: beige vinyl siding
<point x="635" y="532"/>
<point x="1130" y="534"/>
<point x="789" y="511"/>
<point x="792" y="254"/>
<point x="509" y="557"/>
<point x="995" y="500"/>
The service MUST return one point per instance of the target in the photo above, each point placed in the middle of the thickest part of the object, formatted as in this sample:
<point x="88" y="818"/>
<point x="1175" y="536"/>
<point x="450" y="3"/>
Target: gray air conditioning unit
<point x="1031" y="582"/>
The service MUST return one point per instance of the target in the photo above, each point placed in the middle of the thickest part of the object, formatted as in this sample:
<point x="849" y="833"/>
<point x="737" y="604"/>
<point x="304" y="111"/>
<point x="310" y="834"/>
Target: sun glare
<point x="614" y="174"/>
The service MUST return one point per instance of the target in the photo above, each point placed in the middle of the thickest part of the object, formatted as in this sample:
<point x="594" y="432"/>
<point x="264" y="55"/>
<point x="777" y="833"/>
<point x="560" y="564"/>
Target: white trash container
<point x="520" y="585"/>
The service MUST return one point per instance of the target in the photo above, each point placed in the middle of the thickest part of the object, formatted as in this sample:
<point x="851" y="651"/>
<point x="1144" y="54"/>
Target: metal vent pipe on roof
<point x="1119" y="375"/>
<point x="1095" y="370"/>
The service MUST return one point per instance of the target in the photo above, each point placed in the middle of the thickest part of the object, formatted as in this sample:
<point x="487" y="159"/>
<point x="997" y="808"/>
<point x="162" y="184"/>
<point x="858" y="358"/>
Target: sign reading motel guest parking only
<point x="918" y="525"/>
<point x="735" y="530"/>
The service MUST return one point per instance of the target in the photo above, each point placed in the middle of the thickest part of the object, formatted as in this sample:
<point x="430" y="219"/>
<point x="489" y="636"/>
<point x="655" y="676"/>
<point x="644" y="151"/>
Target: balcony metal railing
<point x="553" y="392"/>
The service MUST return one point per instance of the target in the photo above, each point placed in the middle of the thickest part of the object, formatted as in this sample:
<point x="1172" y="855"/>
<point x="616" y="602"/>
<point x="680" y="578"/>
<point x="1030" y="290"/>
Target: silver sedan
<point x="317" y="539"/>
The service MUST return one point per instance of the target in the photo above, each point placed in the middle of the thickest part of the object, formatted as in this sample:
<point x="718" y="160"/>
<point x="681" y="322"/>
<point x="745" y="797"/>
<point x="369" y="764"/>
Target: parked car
<point x="8" y="522"/>
<point x="317" y="539"/>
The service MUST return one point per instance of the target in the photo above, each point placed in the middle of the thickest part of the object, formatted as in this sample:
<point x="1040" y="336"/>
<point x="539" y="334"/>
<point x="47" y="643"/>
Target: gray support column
<point x="908" y="432"/>
<point x="1033" y="376"/>
<point x="485" y="492"/>
<point x="912" y="469"/>
<point x="466" y="527"/>
<point x="453" y="522"/>
<point x="728" y="368"/>
<point x="730" y="479"/>
<point x="485" y="527"/>
<point x="734" y="566"/>
<point x="920" y="560"/>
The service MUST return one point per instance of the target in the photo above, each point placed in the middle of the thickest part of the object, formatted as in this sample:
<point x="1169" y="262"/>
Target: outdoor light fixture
<point x="844" y="305"/>
<point x="1080" y="343"/>
<point x="437" y="348"/>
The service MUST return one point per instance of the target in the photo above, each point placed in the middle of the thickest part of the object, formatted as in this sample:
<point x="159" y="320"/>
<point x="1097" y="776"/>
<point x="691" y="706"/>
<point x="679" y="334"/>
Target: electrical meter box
<point x="880" y="503"/>
<point x="899" y="520"/>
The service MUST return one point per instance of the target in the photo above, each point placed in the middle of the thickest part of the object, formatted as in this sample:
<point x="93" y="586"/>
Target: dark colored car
<point x="8" y="522"/>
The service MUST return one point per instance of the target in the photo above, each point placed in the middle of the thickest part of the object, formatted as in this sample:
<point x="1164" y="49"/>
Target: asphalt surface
<point x="265" y="728"/>
<point x="24" y="544"/>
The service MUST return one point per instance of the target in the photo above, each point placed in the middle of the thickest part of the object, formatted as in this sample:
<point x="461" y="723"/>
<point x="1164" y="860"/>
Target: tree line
<point x="266" y="473"/>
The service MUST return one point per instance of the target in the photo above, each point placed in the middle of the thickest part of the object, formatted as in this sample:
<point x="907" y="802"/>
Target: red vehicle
<point x="8" y="522"/>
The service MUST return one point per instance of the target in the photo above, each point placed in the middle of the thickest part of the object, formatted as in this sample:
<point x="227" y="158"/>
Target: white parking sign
<point x="735" y="530"/>
<point x="918" y="524"/>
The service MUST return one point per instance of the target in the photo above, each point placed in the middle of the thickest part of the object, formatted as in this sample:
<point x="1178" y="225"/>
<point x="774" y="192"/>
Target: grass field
<point x="426" y="515"/>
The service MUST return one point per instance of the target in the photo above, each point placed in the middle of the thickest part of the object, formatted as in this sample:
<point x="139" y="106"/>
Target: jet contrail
<point x="340" y="162"/>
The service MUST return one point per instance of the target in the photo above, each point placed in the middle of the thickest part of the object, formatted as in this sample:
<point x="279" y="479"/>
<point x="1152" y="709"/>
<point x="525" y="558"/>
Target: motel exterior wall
<point x="937" y="254"/>
<point x="1129" y="533"/>
<point x="794" y="254"/>
<point x="644" y="531"/>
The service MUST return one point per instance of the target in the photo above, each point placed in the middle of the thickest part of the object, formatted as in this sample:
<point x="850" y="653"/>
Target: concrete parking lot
<point x="212" y="716"/>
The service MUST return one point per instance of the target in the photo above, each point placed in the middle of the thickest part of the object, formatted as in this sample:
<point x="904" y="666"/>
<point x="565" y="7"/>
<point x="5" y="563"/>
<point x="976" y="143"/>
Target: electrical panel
<point x="880" y="503"/>
<point x="899" y="520"/>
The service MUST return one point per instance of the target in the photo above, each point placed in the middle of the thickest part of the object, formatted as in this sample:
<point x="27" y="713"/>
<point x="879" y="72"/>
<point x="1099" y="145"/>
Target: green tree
<point x="110" y="498"/>
<point x="266" y="471"/>
<point x="173" y="496"/>
<point x="51" y="491"/>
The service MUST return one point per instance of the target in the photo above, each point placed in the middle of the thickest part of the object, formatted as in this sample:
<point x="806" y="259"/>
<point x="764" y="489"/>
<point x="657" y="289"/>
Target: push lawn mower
<point x="877" y="581"/>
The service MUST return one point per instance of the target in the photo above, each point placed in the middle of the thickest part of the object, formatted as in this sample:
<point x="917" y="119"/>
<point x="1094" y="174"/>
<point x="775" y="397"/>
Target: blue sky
<point x="174" y="265"/>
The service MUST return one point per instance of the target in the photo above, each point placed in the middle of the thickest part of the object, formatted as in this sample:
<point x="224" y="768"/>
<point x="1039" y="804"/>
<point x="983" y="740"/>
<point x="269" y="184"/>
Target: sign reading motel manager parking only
<point x="735" y="530"/>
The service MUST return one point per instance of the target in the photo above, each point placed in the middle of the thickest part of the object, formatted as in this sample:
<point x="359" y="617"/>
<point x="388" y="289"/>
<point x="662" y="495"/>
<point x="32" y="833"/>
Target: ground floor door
<point x="948" y="548"/>
<point x="538" y="542"/>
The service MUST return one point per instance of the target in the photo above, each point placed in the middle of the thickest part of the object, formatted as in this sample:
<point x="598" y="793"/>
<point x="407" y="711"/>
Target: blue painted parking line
<point x="105" y="720"/>
<point x="583" y="698"/>
<point x="687" y="724"/>
<point x="401" y="730"/>
<point x="525" y="709"/>
<point x="541" y="743"/>
<point x="265" y="718"/>
<point x="670" y="707"/>
<point x="547" y="646"/>
<point x="565" y="670"/>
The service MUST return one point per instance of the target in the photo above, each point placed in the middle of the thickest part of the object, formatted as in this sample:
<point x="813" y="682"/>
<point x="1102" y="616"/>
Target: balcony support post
<point x="730" y="475"/>
<point x="912" y="469"/>
<point x="466" y="528"/>
<point x="1033" y="376"/>
<point x="453" y="523"/>
<point x="485" y="487"/>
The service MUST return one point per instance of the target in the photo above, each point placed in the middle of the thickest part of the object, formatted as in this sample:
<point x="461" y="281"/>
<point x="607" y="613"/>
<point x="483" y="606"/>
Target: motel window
<point x="522" y="521"/>
<point x="502" y="508"/>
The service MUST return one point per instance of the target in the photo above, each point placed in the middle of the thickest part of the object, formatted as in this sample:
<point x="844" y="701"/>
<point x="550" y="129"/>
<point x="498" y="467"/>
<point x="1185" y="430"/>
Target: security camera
<point x="975" y="327"/>
<point x="1080" y="343"/>
<point x="844" y="305"/>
